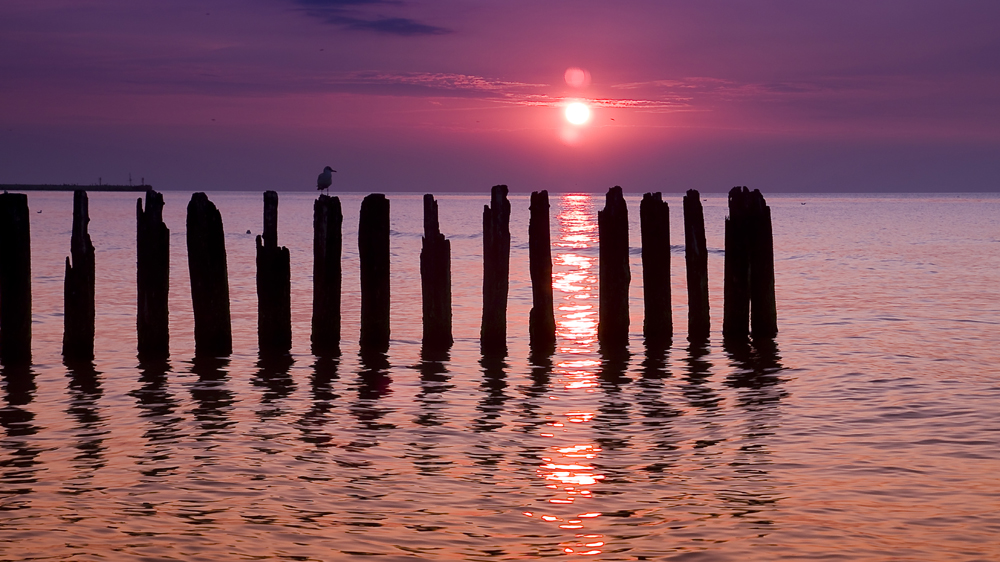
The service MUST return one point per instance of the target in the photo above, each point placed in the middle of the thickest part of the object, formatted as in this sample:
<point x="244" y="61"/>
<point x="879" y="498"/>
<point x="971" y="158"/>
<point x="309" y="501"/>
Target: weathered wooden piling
<point x="373" y="250"/>
<point x="541" y="319"/>
<point x="763" y="311"/>
<point x="328" y="221"/>
<point x="612" y="227"/>
<point x="654" y="220"/>
<point x="152" y="279"/>
<point x="749" y="284"/>
<point x="435" y="281"/>
<point x="78" y="290"/>
<point x="696" y="261"/>
<point x="496" y="269"/>
<point x="15" y="280"/>
<point x="274" y="301"/>
<point x="736" y="291"/>
<point x="206" y="245"/>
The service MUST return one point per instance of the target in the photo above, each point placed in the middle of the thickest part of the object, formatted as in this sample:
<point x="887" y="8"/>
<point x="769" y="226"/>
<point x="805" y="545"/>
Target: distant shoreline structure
<point x="73" y="187"/>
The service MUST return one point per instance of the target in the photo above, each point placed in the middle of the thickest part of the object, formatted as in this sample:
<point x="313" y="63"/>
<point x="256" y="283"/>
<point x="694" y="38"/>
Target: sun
<point x="577" y="113"/>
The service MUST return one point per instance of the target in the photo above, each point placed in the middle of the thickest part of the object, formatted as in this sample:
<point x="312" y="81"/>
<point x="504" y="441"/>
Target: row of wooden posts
<point x="749" y="309"/>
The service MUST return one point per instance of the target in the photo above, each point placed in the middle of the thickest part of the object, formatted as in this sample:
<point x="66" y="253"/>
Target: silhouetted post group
<point x="612" y="227"/>
<point x="328" y="219"/>
<point x="654" y="223"/>
<point x="696" y="260"/>
<point x="274" y="285"/>
<point x="541" y="319"/>
<point x="373" y="250"/>
<point x="78" y="290"/>
<point x="496" y="269"/>
<point x="749" y="293"/>
<point x="435" y="281"/>
<point x="152" y="278"/>
<point x="749" y="283"/>
<point x="15" y="280"/>
<point x="206" y="245"/>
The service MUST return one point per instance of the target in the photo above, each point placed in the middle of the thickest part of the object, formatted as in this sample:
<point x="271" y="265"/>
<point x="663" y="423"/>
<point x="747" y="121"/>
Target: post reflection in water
<point x="568" y="466"/>
<point x="19" y="470"/>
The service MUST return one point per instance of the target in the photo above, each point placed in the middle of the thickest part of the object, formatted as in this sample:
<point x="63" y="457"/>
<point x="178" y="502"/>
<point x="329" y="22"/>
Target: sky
<point x="459" y="95"/>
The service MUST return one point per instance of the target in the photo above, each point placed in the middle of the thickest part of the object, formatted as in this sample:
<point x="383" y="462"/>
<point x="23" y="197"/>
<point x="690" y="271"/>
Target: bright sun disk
<point x="577" y="113"/>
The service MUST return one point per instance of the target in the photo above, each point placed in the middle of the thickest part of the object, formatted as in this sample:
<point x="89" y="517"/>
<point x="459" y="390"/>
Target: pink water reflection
<point x="568" y="469"/>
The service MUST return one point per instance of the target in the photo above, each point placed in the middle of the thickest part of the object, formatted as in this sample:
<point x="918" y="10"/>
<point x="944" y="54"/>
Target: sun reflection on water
<point x="568" y="468"/>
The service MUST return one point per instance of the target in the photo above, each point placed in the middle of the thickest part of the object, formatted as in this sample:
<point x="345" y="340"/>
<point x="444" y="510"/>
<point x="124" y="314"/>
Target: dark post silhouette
<point x="654" y="220"/>
<point x="764" y="315"/>
<point x="736" y="292"/>
<point x="696" y="261"/>
<point x="78" y="318"/>
<point x="15" y="280"/>
<point x="612" y="228"/>
<point x="496" y="268"/>
<point x="541" y="320"/>
<point x="274" y="304"/>
<point x="206" y="246"/>
<point x="373" y="250"/>
<point x="152" y="278"/>
<point x="328" y="220"/>
<point x="435" y="281"/>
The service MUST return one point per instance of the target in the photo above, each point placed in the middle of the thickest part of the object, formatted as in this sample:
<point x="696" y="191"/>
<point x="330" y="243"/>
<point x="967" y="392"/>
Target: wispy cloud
<point x="350" y="15"/>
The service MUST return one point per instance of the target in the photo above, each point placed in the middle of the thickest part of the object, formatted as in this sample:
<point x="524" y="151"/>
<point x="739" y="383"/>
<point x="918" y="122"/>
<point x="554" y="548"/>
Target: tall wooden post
<point x="763" y="311"/>
<point x="435" y="281"/>
<point x="496" y="269"/>
<point x="15" y="280"/>
<point x="736" y="305"/>
<point x="78" y="320"/>
<point x="206" y="246"/>
<point x="696" y="260"/>
<point x="328" y="220"/>
<point x="541" y="319"/>
<point x="654" y="219"/>
<point x="373" y="250"/>
<point x="274" y="301"/>
<point x="152" y="278"/>
<point x="612" y="227"/>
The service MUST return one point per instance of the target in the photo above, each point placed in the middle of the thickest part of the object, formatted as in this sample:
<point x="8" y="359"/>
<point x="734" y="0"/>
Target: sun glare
<point x="577" y="113"/>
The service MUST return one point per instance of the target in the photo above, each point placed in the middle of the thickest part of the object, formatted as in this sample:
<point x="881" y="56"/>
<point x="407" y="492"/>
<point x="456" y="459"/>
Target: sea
<point x="869" y="430"/>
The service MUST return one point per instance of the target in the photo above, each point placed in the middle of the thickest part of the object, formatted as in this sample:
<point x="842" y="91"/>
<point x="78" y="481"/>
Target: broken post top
<point x="79" y="240"/>
<point x="656" y="197"/>
<point x="154" y="207"/>
<point x="270" y="235"/>
<point x="432" y="228"/>
<point x="614" y="203"/>
<point x="539" y="199"/>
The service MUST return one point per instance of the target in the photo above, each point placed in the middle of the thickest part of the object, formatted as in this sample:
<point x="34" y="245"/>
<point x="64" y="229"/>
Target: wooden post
<point x="654" y="219"/>
<point x="435" y="281"/>
<point x="206" y="245"/>
<point x="328" y="220"/>
<point x="612" y="227"/>
<point x="373" y="250"/>
<point x="274" y="286"/>
<point x="541" y="320"/>
<point x="152" y="279"/>
<point x="764" y="315"/>
<point x="696" y="260"/>
<point x="496" y="269"/>
<point x="15" y="280"/>
<point x="78" y="290"/>
<point x="736" y="305"/>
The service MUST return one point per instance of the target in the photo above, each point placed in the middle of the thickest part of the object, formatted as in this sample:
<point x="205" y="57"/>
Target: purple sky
<point x="458" y="95"/>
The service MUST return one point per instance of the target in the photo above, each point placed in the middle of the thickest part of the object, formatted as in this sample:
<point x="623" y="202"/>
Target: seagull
<point x="325" y="179"/>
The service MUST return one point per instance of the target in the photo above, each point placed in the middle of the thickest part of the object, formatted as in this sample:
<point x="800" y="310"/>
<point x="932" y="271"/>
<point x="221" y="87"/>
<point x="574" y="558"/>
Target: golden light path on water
<point x="568" y="469"/>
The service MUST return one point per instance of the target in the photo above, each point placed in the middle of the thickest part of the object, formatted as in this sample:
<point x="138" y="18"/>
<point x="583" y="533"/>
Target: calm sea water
<point x="871" y="432"/>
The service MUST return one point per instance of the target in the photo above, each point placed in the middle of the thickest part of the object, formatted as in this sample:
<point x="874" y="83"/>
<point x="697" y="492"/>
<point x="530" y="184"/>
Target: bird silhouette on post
<point x="325" y="179"/>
